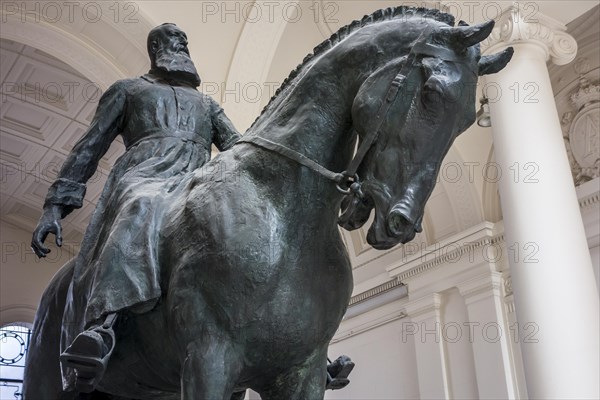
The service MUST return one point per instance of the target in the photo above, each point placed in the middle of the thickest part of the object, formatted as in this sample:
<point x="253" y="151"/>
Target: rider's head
<point x="169" y="54"/>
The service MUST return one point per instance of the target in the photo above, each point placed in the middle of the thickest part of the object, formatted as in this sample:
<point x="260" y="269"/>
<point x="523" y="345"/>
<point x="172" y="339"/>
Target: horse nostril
<point x="396" y="222"/>
<point x="419" y="225"/>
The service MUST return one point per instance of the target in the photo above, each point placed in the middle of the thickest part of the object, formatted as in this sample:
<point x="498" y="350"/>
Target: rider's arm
<point x="68" y="191"/>
<point x="224" y="133"/>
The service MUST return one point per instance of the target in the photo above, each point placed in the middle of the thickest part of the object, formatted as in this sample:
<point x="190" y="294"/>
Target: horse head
<point x="435" y="102"/>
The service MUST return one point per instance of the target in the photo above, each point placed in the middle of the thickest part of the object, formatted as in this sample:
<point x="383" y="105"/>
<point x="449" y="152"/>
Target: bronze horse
<point x="255" y="276"/>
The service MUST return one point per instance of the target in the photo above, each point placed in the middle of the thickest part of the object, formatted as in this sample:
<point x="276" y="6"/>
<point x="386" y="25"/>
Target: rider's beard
<point x="176" y="65"/>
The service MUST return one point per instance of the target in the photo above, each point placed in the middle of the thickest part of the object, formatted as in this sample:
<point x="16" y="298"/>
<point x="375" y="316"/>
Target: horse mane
<point x="386" y="14"/>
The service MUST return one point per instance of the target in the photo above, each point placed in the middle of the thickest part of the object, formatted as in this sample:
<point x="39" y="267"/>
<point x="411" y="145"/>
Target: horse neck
<point x="312" y="115"/>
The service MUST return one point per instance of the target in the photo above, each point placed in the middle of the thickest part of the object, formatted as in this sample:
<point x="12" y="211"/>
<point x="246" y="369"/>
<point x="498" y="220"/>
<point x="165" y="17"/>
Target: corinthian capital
<point x="526" y="25"/>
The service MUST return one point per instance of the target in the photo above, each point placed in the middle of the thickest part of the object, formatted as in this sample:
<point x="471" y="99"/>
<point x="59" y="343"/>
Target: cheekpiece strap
<point x="397" y="83"/>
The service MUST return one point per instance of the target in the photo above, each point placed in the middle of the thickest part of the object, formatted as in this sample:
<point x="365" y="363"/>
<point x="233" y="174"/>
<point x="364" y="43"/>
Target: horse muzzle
<point x="401" y="225"/>
<point x="387" y="232"/>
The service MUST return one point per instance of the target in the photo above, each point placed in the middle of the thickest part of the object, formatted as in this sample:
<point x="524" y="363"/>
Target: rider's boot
<point x="338" y="371"/>
<point x="89" y="353"/>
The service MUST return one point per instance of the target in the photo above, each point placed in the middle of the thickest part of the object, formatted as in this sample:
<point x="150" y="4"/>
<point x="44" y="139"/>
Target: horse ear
<point x="467" y="36"/>
<point x="495" y="62"/>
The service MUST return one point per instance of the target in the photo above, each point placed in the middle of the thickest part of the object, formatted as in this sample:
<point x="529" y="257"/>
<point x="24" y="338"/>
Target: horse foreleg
<point x="306" y="382"/>
<point x="209" y="370"/>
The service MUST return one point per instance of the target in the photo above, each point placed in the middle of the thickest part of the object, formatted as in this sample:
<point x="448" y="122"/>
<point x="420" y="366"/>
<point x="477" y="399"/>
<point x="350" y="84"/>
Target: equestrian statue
<point x="199" y="278"/>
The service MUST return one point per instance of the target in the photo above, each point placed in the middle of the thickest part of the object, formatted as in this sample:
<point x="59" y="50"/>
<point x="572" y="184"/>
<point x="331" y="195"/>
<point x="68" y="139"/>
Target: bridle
<point x="347" y="181"/>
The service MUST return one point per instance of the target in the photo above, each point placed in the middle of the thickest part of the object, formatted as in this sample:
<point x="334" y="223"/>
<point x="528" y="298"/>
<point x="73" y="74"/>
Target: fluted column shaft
<point x="553" y="281"/>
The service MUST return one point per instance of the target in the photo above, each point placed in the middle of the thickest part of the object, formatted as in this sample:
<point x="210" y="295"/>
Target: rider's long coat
<point x="167" y="130"/>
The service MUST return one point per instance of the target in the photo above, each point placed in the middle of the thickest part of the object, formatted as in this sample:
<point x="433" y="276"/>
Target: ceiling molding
<point x="462" y="194"/>
<point x="103" y="51"/>
<point x="15" y="313"/>
<point x="251" y="63"/>
<point x="65" y="47"/>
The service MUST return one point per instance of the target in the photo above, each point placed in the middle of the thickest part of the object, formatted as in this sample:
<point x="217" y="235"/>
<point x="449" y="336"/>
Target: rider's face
<point x="170" y="54"/>
<point x="173" y="40"/>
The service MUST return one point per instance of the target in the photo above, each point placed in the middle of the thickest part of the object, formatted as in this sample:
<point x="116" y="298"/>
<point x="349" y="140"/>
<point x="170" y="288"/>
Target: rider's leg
<point x="89" y="353"/>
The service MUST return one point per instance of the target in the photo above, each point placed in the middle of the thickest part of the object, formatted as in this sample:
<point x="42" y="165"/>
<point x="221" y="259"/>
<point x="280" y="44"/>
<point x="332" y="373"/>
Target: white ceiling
<point x="45" y="108"/>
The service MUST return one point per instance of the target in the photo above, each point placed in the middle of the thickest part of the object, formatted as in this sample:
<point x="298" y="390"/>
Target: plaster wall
<point x="23" y="277"/>
<point x="455" y="334"/>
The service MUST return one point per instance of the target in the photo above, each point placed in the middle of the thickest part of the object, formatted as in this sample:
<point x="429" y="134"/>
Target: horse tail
<point x="42" y="376"/>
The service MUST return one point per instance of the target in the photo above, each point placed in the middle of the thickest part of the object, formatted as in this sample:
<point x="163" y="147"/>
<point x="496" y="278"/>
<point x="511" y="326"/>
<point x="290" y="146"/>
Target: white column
<point x="551" y="269"/>
<point x="489" y="334"/>
<point x="432" y="363"/>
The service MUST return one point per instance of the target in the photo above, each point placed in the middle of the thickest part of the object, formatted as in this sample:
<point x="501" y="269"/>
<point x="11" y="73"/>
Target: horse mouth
<point x="356" y="212"/>
<point x="380" y="238"/>
<point x="389" y="229"/>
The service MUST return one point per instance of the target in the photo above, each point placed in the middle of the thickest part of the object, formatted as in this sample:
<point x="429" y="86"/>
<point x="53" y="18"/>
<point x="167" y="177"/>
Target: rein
<point x="349" y="176"/>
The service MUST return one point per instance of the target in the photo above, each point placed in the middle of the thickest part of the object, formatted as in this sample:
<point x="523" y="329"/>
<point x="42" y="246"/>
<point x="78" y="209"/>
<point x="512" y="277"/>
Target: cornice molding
<point x="424" y="307"/>
<point x="483" y="285"/>
<point x="383" y="295"/>
<point x="374" y="292"/>
<point x="486" y="234"/>
<point x="589" y="201"/>
<point x="450" y="252"/>
<point x="516" y="25"/>
<point x="588" y="195"/>
<point x="346" y="334"/>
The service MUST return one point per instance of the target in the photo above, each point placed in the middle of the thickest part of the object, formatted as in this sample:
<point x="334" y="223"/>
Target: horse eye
<point x="431" y="93"/>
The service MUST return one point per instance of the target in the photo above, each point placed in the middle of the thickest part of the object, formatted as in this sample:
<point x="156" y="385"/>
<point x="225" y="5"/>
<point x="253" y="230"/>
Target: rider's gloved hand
<point x="48" y="223"/>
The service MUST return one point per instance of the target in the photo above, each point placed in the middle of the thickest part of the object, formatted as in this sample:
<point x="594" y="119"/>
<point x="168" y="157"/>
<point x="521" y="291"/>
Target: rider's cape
<point x="168" y="132"/>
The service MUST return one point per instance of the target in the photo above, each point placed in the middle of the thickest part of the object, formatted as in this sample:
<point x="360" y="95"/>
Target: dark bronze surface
<point x="232" y="274"/>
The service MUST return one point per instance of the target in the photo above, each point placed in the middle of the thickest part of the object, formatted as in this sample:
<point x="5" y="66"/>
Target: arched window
<point x="14" y="342"/>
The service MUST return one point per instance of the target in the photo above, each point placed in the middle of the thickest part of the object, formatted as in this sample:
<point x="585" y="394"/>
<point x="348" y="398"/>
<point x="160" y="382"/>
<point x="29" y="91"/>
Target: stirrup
<point x="336" y="383"/>
<point x="340" y="380"/>
<point x="83" y="357"/>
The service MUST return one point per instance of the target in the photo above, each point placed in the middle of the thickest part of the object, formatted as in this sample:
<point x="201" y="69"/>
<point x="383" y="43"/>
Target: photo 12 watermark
<point x="51" y="92"/>
<point x="453" y="332"/>
<point x="492" y="251"/>
<point x="50" y="12"/>
<point x="270" y="11"/>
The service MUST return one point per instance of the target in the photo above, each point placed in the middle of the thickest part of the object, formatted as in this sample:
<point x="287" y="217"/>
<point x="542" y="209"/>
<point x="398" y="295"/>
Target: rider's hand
<point x="49" y="223"/>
